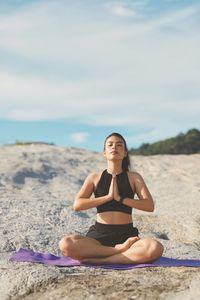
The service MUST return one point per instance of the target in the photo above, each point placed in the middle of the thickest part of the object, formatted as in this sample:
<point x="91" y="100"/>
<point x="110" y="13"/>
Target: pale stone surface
<point x="37" y="188"/>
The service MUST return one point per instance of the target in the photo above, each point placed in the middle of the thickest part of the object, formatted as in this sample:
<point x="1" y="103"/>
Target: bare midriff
<point x="114" y="217"/>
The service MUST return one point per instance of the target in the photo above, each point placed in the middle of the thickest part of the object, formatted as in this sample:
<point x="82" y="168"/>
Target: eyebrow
<point x="118" y="142"/>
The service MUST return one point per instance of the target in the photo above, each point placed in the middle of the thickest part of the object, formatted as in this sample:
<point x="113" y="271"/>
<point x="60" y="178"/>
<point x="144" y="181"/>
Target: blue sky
<point x="71" y="72"/>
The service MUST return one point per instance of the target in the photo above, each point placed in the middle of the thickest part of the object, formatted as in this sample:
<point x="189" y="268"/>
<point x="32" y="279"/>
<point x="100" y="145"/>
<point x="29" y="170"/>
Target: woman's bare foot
<point x="127" y="244"/>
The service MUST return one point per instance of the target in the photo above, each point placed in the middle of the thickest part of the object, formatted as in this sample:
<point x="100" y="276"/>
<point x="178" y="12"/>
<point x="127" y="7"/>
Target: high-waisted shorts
<point x="110" y="235"/>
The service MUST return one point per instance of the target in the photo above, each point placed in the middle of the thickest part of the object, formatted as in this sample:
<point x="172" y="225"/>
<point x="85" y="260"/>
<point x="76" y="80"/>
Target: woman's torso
<point x="114" y="217"/>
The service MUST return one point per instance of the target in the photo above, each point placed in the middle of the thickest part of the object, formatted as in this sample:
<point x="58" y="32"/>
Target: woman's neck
<point x="114" y="167"/>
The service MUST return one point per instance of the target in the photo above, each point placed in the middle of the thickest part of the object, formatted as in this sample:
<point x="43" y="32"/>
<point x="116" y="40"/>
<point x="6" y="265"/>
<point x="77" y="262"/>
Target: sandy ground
<point x="37" y="188"/>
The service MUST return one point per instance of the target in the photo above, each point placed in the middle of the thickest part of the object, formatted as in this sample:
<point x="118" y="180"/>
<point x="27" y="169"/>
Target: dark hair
<point x="126" y="161"/>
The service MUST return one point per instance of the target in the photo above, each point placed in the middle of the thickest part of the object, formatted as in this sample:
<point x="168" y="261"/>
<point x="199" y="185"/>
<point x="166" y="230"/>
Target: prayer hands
<point x="113" y="191"/>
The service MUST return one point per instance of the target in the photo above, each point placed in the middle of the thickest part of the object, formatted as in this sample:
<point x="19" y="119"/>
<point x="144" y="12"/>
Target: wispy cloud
<point x="79" y="137"/>
<point x="104" y="71"/>
<point x="120" y="10"/>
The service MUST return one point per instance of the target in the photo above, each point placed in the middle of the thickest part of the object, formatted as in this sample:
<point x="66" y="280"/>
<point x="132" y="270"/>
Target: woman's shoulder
<point x="94" y="176"/>
<point x="134" y="175"/>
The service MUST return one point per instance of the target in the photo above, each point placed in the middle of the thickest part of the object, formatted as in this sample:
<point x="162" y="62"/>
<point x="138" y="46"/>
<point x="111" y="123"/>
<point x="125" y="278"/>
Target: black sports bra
<point x="124" y="188"/>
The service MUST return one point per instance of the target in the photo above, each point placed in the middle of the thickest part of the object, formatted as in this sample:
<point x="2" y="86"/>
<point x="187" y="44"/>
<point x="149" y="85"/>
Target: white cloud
<point x="120" y="10"/>
<point x="79" y="137"/>
<point x="31" y="115"/>
<point x="136" y="67"/>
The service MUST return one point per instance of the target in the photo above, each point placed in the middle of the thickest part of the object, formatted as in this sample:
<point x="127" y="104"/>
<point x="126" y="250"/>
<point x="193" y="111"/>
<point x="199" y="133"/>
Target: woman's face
<point x="114" y="148"/>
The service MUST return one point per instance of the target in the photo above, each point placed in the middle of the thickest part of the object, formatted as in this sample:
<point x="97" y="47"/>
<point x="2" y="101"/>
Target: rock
<point x="38" y="186"/>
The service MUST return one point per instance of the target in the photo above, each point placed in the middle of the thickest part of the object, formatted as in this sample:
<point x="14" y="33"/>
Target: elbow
<point x="76" y="206"/>
<point x="151" y="208"/>
<point x="148" y="205"/>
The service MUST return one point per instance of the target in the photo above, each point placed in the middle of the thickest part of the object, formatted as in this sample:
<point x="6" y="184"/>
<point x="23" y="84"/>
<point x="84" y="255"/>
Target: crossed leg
<point x="142" y="251"/>
<point x="133" y="250"/>
<point x="80" y="247"/>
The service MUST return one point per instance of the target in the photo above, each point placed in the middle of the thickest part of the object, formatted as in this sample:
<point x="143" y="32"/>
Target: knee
<point x="155" y="249"/>
<point x="63" y="244"/>
<point x="66" y="245"/>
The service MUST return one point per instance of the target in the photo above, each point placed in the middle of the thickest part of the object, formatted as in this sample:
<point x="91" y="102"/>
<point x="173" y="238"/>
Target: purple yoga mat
<point x="26" y="255"/>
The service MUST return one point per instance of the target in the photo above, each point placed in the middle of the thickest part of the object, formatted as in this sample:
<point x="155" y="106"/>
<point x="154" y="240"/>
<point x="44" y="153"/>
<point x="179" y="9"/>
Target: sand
<point x="37" y="188"/>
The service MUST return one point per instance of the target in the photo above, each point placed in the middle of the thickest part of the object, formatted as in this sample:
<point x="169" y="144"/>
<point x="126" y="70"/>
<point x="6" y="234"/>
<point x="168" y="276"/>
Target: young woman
<point x="113" y="239"/>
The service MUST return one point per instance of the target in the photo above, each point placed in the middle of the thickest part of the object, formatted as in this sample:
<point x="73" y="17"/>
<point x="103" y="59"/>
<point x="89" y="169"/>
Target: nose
<point x="114" y="146"/>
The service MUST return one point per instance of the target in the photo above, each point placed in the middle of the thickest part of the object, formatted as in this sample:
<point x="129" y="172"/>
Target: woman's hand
<point x="111" y="190"/>
<point x="116" y="195"/>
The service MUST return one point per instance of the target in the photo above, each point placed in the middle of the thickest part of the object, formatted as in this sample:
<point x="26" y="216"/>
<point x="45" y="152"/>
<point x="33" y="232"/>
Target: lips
<point x="114" y="152"/>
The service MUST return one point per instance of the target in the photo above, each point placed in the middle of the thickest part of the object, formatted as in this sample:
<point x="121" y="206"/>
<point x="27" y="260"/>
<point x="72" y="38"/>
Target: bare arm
<point x="83" y="199"/>
<point x="145" y="201"/>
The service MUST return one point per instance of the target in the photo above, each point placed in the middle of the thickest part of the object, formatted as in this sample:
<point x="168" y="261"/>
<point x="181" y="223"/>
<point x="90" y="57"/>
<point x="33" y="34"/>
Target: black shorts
<point x="110" y="235"/>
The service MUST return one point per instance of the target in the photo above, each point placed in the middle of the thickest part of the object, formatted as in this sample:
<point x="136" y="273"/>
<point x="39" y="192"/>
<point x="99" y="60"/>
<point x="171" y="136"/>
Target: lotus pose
<point x="113" y="238"/>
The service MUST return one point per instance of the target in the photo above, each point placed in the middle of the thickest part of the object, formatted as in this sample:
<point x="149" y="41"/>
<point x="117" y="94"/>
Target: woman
<point x="113" y="239"/>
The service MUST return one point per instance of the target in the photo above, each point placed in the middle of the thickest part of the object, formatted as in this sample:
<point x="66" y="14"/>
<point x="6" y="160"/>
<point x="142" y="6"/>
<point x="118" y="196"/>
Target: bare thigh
<point x="76" y="237"/>
<point x="147" y="249"/>
<point x="79" y="247"/>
